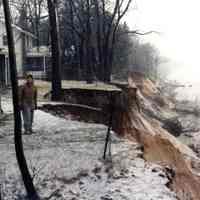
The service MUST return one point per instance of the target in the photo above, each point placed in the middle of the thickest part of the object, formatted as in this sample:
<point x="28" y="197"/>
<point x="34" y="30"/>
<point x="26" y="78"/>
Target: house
<point x="35" y="61"/>
<point x="38" y="62"/>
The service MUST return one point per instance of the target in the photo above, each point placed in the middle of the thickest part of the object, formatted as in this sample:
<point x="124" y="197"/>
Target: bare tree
<point x="96" y="23"/>
<point x="32" y="194"/>
<point x="56" y="50"/>
<point x="120" y="9"/>
<point x="35" y="8"/>
<point x="29" y="14"/>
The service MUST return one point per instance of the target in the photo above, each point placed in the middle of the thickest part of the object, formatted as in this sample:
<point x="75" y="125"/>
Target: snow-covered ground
<point x="65" y="158"/>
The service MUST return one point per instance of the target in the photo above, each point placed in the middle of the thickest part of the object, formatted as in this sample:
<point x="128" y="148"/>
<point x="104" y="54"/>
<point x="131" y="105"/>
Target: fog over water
<point x="179" y="41"/>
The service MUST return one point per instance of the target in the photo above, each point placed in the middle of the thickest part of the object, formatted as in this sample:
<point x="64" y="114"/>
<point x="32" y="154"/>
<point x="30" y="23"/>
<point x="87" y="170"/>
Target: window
<point x="35" y="64"/>
<point x="5" y="40"/>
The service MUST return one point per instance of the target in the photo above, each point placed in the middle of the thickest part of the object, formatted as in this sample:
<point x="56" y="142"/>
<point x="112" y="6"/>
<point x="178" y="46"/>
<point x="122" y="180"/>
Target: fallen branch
<point x="52" y="194"/>
<point x="136" y="32"/>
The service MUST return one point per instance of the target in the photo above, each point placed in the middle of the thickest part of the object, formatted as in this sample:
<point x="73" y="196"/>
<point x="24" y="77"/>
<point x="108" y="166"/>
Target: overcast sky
<point x="179" y="23"/>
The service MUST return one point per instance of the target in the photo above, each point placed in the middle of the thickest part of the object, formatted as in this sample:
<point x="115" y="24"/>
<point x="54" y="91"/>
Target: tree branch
<point x="136" y="32"/>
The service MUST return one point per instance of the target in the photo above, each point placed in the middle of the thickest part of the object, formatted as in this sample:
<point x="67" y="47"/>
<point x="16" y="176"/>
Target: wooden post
<point x="44" y="63"/>
<point x="109" y="126"/>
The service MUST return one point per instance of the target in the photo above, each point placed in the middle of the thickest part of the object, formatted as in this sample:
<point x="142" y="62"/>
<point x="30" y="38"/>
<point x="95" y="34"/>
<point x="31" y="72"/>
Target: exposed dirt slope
<point x="159" y="145"/>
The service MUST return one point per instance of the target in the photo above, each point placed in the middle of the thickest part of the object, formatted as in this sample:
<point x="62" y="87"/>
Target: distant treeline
<point x="95" y="44"/>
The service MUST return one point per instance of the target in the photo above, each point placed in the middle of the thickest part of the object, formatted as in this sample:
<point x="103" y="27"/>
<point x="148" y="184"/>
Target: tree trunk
<point x="1" y="110"/>
<point x="24" y="26"/>
<point x="81" y="56"/>
<point x="106" y="67"/>
<point x="32" y="194"/>
<point x="99" y="42"/>
<point x="74" y="42"/>
<point x="89" y="74"/>
<point x="37" y="23"/>
<point x="56" y="51"/>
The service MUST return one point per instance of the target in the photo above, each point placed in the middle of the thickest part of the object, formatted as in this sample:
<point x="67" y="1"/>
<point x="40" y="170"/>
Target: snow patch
<point x="67" y="156"/>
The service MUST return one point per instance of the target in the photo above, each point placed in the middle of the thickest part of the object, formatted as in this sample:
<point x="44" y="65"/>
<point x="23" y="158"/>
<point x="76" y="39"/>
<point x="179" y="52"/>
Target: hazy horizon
<point x="177" y="20"/>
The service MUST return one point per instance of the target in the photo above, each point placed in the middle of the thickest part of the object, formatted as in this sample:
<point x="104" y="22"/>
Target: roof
<point x="20" y="29"/>
<point x="23" y="31"/>
<point x="3" y="51"/>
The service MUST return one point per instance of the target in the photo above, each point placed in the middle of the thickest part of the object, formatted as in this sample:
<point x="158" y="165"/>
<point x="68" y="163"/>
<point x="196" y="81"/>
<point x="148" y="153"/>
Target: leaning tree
<point x="32" y="194"/>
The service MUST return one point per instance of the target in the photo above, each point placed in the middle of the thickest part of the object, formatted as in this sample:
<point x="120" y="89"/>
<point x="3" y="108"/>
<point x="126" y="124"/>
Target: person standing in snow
<point x="28" y="103"/>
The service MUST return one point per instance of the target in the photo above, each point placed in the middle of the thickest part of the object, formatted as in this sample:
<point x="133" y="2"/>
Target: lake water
<point x="191" y="92"/>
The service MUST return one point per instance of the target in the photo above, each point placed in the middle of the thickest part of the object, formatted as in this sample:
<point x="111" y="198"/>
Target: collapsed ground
<point x="65" y="160"/>
<point x="65" y="154"/>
